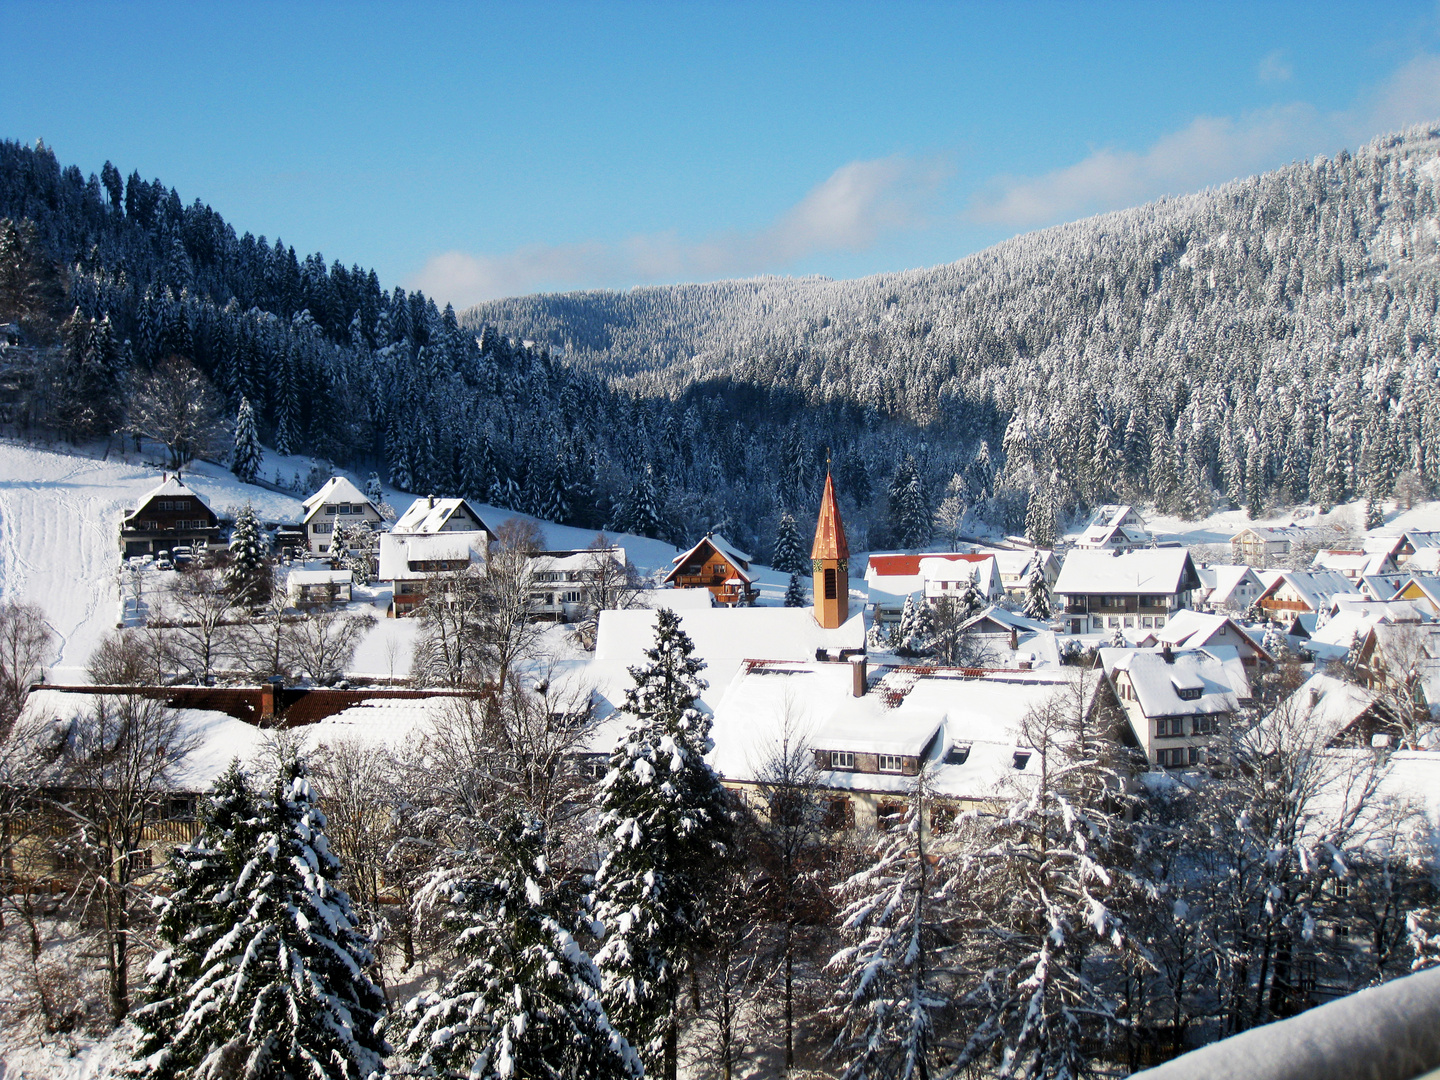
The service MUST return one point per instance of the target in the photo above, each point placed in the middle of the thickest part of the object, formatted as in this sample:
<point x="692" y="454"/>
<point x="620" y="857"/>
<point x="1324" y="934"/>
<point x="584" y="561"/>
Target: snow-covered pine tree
<point x="245" y="462"/>
<point x="664" y="815"/>
<point x="1037" y="592"/>
<point x="281" y="990"/>
<point x="892" y="972"/>
<point x="789" y="556"/>
<point x="525" y="1000"/>
<point x="373" y="491"/>
<point x="1374" y="512"/>
<point x="921" y="639"/>
<point x="1117" y="639"/>
<point x="1044" y="891"/>
<point x="352" y="545"/>
<point x="200" y="906"/>
<point x="795" y="591"/>
<point x="906" y="626"/>
<point x="247" y="577"/>
<point x="969" y="602"/>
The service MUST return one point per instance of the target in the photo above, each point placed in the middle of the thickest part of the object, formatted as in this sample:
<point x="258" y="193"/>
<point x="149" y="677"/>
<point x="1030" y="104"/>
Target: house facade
<point x="1101" y="591"/>
<point x="1115" y="528"/>
<point x="169" y="514"/>
<point x="337" y="503"/>
<point x="432" y="515"/>
<point x="1301" y="592"/>
<point x="561" y="582"/>
<point x="1176" y="700"/>
<point x="409" y="561"/>
<point x="715" y="564"/>
<point x="1228" y="588"/>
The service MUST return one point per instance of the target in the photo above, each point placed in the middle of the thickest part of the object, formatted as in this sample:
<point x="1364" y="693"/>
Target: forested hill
<point x="1269" y="341"/>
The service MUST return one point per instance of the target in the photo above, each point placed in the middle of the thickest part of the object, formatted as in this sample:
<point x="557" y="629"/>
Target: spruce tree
<point x="795" y="591"/>
<point x="525" y="1000"/>
<point x="280" y="988"/>
<point x="247" y="575"/>
<point x="373" y="491"/>
<point x="892" y="974"/>
<point x="1037" y="592"/>
<point x="245" y="462"/>
<point x="663" y="813"/>
<point x="789" y="556"/>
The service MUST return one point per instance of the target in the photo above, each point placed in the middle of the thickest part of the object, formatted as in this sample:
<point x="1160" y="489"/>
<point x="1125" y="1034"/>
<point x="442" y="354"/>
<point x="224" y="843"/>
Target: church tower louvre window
<point x="830" y="562"/>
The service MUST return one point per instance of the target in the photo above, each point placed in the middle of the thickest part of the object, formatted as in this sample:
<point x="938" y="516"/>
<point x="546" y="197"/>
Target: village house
<point x="1014" y="567"/>
<point x="169" y="514"/>
<point x="1188" y="629"/>
<point x="432" y="515"/>
<point x="715" y="564"/>
<point x="1295" y="592"/>
<point x="1342" y="712"/>
<point x="1176" y="700"/>
<point x="1355" y="565"/>
<point x="409" y="560"/>
<point x="305" y="587"/>
<point x="1423" y="589"/>
<point x="891" y="579"/>
<point x="337" y="503"/>
<point x="1115" y="528"/>
<point x="1100" y="591"/>
<point x="562" y="581"/>
<point x="1406" y="547"/>
<point x="1228" y="588"/>
<point x="1264" y="546"/>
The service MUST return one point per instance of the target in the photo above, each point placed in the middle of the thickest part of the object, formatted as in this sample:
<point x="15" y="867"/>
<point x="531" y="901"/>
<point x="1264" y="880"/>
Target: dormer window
<point x="842" y="759"/>
<point x="1188" y="693"/>
<point x="1022" y="758"/>
<point x="890" y="763"/>
<point x="958" y="754"/>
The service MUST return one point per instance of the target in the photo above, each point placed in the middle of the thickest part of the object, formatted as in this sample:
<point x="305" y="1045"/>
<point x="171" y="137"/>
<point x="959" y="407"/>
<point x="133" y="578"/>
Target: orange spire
<point x="830" y="540"/>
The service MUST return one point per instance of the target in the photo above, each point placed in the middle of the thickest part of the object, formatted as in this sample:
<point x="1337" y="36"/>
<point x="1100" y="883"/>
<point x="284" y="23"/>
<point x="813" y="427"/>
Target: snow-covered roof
<point x="894" y="565"/>
<point x="760" y="633"/>
<point x="1381" y="586"/>
<point x="733" y="555"/>
<point x="430" y="515"/>
<point x="1352" y="564"/>
<point x="1326" y="703"/>
<point x="1424" y="561"/>
<point x="1290" y="534"/>
<point x="338" y="489"/>
<point x="998" y="620"/>
<point x="675" y="599"/>
<point x="1315" y="588"/>
<point x="579" y="561"/>
<point x="1186" y="629"/>
<point x="926" y="710"/>
<point x="398" y="551"/>
<point x="986" y="573"/>
<point x="1150" y="570"/>
<point x="320" y="577"/>
<point x="1222" y="581"/>
<point x="170" y="487"/>
<point x="1215" y="670"/>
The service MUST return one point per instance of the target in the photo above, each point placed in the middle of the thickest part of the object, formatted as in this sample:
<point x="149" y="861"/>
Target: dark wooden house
<point x="168" y="515"/>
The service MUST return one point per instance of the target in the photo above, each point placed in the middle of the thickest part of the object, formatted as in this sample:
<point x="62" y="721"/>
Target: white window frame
<point x="842" y="759"/>
<point x="892" y="763"/>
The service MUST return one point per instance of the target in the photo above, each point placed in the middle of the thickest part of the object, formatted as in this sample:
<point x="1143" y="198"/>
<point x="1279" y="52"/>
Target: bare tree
<point x="608" y="585"/>
<point x="121" y="659"/>
<point x="326" y="641"/>
<point x="790" y="837"/>
<point x="25" y="643"/>
<point x="507" y="633"/>
<point x="264" y="644"/>
<point x="1396" y="668"/>
<point x="448" y="650"/>
<point x="198" y="609"/>
<point x="176" y="406"/>
<point x="117" y="767"/>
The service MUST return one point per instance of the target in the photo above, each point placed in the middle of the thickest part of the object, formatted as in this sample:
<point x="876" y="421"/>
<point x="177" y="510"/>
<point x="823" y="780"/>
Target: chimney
<point x="430" y="499"/>
<point x="1167" y="652"/>
<point x="1014" y="639"/>
<point x="267" y="696"/>
<point x="857" y="676"/>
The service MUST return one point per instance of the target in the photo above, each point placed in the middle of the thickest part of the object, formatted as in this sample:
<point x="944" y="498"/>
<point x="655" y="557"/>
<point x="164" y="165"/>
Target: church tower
<point x="830" y="562"/>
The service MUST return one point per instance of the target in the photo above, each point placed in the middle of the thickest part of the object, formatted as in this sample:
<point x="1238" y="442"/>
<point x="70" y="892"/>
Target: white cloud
<point x="850" y="211"/>
<point x="1274" y="67"/>
<point x="1211" y="150"/>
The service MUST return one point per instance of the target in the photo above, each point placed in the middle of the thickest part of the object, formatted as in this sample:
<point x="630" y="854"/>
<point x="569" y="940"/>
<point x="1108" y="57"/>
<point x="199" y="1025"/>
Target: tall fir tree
<point x="280" y="988"/>
<point x="245" y="462"/>
<point x="1037" y="592"/>
<point x="789" y="556"/>
<point x="525" y="998"/>
<point x="665" y="818"/>
<point x="795" y="591"/>
<point x="247" y="575"/>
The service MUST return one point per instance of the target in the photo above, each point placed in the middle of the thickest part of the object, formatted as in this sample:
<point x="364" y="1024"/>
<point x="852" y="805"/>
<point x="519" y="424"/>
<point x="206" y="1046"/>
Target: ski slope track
<point x="59" y="548"/>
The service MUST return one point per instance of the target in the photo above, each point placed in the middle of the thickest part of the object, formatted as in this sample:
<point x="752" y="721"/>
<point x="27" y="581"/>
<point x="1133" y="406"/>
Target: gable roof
<point x="337" y="489"/>
<point x="1150" y="570"/>
<point x="172" y="486"/>
<point x="429" y="515"/>
<point x="909" y="565"/>
<point x="733" y="555"/>
<point x="1186" y="629"/>
<point x="1223" y="580"/>
<point x="1216" y="671"/>
<point x="1315" y="588"/>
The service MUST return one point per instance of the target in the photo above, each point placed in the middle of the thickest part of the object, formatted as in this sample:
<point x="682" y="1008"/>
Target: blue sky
<point x="484" y="150"/>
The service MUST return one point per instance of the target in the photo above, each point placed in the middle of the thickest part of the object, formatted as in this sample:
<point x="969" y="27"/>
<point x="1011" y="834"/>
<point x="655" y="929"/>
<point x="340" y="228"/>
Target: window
<point x="1179" y="757"/>
<point x="320" y="530"/>
<point x="1114" y="621"/>
<point x="1205" y="725"/>
<point x="890" y="763"/>
<point x="839" y="814"/>
<point x="957" y="755"/>
<point x="1169" y="726"/>
<point x="1188" y="693"/>
<point x="831" y="584"/>
<point x="841" y="759"/>
<point x="574" y="597"/>
<point x="330" y="508"/>
<point x="1022" y="758"/>
<point x="1147" y="622"/>
<point x="889" y="814"/>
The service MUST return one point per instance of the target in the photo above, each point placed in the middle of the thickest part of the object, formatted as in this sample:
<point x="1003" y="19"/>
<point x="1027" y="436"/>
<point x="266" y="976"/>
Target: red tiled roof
<point x="909" y="565"/>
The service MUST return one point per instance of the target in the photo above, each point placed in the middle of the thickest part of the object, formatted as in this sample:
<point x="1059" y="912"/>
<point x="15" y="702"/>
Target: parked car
<point x="163" y="561"/>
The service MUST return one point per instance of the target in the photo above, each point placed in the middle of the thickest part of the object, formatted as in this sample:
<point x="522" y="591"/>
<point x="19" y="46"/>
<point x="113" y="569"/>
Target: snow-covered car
<point x="163" y="561"/>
